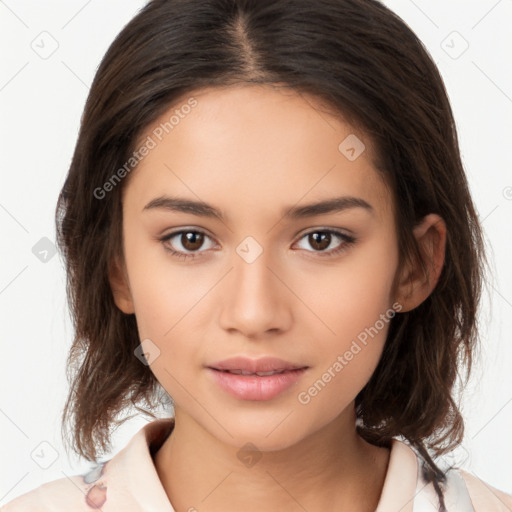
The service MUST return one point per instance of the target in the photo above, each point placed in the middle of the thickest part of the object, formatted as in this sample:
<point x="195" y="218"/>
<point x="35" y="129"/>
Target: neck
<point x="333" y="469"/>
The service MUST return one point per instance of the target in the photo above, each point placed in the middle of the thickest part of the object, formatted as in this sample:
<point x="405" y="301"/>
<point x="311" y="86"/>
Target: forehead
<point x="269" y="146"/>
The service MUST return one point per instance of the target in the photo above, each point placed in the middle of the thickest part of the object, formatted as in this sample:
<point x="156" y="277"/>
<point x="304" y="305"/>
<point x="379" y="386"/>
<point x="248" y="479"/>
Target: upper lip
<point x="263" y="364"/>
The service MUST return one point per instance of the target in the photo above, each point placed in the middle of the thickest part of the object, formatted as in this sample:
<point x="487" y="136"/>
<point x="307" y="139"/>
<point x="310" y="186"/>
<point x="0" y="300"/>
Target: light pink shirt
<point x="128" y="482"/>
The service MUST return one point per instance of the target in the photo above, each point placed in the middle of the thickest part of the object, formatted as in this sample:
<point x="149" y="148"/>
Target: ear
<point x="119" y="285"/>
<point x="414" y="286"/>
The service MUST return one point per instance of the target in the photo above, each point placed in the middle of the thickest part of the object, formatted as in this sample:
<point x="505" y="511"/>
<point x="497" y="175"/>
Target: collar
<point x="133" y="469"/>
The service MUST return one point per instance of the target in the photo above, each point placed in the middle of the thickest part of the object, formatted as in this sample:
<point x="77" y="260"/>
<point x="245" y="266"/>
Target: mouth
<point x="263" y="366"/>
<point x="258" y="374"/>
<point x="256" y="380"/>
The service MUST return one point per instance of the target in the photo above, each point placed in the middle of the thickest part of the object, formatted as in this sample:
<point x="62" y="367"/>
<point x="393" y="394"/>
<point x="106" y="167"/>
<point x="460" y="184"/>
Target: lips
<point x="255" y="379"/>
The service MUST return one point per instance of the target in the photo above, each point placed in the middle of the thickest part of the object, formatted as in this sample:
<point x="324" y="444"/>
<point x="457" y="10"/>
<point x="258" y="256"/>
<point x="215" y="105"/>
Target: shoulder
<point x="128" y="481"/>
<point x="407" y="488"/>
<point x="78" y="493"/>
<point x="463" y="492"/>
<point x="486" y="498"/>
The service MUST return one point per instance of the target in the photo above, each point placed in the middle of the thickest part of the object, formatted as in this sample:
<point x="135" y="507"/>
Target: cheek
<point x="346" y="359"/>
<point x="353" y="313"/>
<point x="172" y="310"/>
<point x="164" y="293"/>
<point x="352" y="295"/>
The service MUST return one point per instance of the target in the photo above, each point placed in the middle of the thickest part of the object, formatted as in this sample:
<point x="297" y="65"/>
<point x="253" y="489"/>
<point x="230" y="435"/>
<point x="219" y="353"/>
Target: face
<point x="265" y="276"/>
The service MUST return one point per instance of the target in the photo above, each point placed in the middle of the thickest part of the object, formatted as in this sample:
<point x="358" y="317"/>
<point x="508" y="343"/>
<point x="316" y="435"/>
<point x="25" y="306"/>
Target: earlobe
<point x="118" y="279"/>
<point x="417" y="284"/>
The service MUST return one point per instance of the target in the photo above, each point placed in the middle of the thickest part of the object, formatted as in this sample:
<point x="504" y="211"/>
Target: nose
<point x="255" y="301"/>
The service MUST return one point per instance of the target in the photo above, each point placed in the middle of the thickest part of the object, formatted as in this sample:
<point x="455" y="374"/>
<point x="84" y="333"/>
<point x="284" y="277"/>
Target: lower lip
<point x="252" y="387"/>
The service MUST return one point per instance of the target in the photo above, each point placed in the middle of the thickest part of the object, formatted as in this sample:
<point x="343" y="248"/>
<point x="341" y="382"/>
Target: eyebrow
<point x="202" y="209"/>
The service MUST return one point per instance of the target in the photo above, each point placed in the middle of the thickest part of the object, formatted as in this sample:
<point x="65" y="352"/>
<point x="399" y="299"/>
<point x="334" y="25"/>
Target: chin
<point x="266" y="434"/>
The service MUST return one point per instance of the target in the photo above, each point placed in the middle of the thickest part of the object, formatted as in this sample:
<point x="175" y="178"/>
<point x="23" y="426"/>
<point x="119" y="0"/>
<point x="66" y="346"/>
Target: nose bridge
<point x="255" y="301"/>
<point x="253" y="276"/>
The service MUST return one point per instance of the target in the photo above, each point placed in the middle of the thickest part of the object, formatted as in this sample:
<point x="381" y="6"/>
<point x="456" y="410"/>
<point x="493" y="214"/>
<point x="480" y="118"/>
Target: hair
<point x="362" y="60"/>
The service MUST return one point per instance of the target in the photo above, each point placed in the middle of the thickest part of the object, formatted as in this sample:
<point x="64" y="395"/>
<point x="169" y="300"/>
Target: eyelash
<point x="347" y="242"/>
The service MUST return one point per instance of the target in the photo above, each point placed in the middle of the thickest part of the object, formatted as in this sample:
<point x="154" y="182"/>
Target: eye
<point x="321" y="239"/>
<point x="187" y="240"/>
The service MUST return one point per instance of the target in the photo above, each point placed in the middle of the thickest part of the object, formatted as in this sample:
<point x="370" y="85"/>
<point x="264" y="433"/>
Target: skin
<point x="253" y="151"/>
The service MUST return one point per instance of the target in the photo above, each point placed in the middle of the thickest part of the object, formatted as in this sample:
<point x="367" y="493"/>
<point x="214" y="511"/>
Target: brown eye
<point x="192" y="240"/>
<point x="185" y="243"/>
<point x="321" y="239"/>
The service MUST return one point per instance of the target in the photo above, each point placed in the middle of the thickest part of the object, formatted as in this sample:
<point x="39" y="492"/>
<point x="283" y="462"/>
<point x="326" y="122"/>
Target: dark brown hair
<point x="354" y="55"/>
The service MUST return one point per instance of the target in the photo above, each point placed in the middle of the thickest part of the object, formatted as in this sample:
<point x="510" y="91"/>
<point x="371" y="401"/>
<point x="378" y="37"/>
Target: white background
<point x="41" y="104"/>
